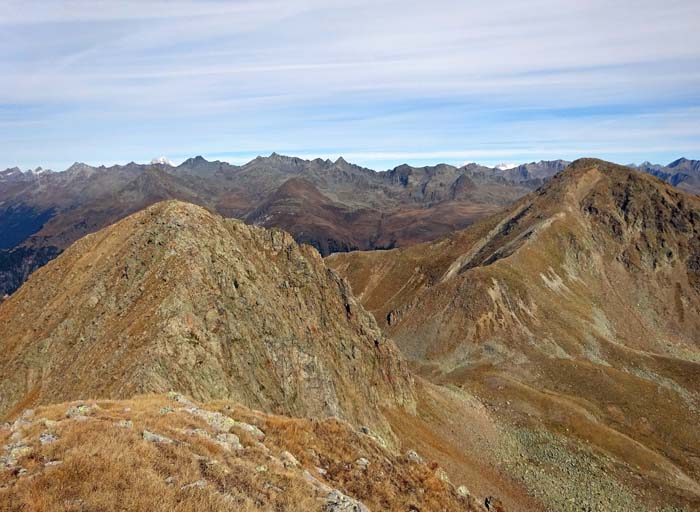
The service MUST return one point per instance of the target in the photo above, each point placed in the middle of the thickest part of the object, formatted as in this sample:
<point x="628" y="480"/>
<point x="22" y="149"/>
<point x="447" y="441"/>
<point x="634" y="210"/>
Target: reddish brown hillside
<point x="575" y="313"/>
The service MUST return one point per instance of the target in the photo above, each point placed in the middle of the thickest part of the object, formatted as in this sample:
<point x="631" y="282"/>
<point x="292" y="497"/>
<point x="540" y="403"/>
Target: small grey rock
<point x="199" y="484"/>
<point x="47" y="438"/>
<point x="156" y="438"/>
<point x="362" y="462"/>
<point x="229" y="441"/>
<point x="251" y="429"/>
<point x="414" y="457"/>
<point x="336" y="501"/>
<point x="289" y="460"/>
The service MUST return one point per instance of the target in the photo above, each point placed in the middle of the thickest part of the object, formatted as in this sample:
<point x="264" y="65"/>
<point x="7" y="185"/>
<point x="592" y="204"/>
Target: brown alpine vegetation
<point x="159" y="452"/>
<point x="574" y="316"/>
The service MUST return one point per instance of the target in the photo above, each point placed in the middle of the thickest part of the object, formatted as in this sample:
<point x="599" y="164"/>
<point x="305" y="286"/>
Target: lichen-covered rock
<point x="288" y="459"/>
<point x="47" y="438"/>
<point x="442" y="475"/>
<point x="195" y="432"/>
<point x="336" y="501"/>
<point x="230" y="442"/>
<point x="362" y="463"/>
<point x="216" y="420"/>
<point x="155" y="438"/>
<point x="14" y="452"/>
<point x="79" y="411"/>
<point x="250" y="429"/>
<point x="414" y="457"/>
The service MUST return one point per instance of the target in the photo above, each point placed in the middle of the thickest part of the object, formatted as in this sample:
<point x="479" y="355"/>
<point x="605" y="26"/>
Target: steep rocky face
<point x="571" y="313"/>
<point x="175" y="297"/>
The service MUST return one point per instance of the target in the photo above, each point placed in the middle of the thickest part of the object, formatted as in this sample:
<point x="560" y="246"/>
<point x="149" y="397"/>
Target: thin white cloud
<point x="351" y="74"/>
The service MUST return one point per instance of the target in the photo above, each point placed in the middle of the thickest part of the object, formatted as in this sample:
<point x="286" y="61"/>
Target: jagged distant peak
<point x="277" y="156"/>
<point x="78" y="166"/>
<point x="505" y="166"/>
<point x="193" y="161"/>
<point x="679" y="162"/>
<point x="16" y="171"/>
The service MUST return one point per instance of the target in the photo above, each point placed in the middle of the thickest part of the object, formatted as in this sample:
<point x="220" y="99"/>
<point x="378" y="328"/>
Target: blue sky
<point x="379" y="82"/>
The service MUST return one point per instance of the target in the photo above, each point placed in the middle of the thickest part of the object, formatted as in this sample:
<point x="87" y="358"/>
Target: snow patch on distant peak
<point x="16" y="171"/>
<point x="162" y="160"/>
<point x="504" y="166"/>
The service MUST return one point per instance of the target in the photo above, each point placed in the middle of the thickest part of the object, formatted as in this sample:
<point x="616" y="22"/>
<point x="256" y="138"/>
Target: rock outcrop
<point x="177" y="298"/>
<point x="184" y="465"/>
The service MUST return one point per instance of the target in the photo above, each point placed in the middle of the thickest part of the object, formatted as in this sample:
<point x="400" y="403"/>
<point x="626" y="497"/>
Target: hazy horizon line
<point x="239" y="162"/>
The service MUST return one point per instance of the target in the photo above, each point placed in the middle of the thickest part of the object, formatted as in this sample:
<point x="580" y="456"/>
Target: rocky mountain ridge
<point x="567" y="312"/>
<point x="177" y="298"/>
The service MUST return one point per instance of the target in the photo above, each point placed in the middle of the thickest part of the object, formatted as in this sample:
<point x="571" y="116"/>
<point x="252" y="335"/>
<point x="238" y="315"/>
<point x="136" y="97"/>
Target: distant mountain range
<point x="682" y="173"/>
<point x="334" y="206"/>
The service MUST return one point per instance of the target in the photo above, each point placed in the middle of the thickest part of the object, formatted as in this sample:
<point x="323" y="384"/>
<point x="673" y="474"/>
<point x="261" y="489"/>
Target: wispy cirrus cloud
<point x="384" y="81"/>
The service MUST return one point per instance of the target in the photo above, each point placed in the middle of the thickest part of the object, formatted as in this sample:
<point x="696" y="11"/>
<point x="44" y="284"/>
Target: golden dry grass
<point x="105" y="466"/>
